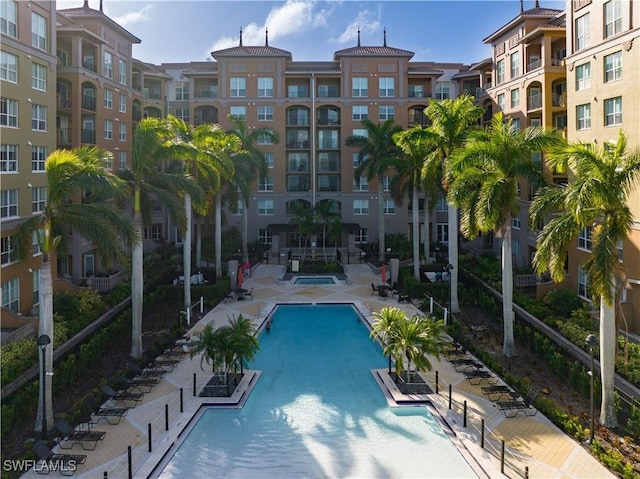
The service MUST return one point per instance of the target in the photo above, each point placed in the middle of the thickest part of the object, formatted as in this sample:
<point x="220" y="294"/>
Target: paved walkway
<point x="530" y="442"/>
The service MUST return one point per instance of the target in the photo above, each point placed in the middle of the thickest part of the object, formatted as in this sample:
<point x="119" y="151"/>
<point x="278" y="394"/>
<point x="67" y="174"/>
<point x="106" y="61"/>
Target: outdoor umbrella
<point x="239" y="276"/>
<point x="384" y="273"/>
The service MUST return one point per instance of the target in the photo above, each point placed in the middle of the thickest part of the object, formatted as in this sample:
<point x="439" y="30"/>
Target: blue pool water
<point x="314" y="280"/>
<point x="317" y="412"/>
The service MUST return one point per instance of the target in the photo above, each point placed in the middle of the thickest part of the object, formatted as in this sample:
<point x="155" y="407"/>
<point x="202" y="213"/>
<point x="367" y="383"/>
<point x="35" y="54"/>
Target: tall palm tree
<point x="326" y="213"/>
<point x="249" y="165"/>
<point x="383" y="328"/>
<point x="243" y="339"/>
<point x="377" y="154"/>
<point x="148" y="181"/>
<point x="416" y="337"/>
<point x="416" y="145"/>
<point x="201" y="150"/>
<point x="70" y="173"/>
<point x="598" y="193"/>
<point x="451" y="120"/>
<point x="483" y="180"/>
<point x="303" y="217"/>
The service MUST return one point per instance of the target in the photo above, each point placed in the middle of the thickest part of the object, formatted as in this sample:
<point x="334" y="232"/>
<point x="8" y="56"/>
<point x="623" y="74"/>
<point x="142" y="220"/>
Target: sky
<point x="185" y="31"/>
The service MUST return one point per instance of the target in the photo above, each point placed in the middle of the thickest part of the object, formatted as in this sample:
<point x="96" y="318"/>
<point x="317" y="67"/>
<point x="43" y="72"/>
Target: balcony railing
<point x="64" y="102"/>
<point x="62" y="136"/>
<point x="559" y="99"/>
<point x="88" y="102"/>
<point x="297" y="120"/>
<point x="329" y="144"/>
<point x="534" y="102"/>
<point x="104" y="284"/>
<point x="298" y="144"/>
<point x="89" y="136"/>
<point x="89" y="66"/>
<point x="211" y="92"/>
<point x="534" y="65"/>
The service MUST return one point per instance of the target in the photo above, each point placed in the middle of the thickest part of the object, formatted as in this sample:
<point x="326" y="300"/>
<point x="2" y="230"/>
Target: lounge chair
<point x="64" y="463"/>
<point x="375" y="290"/>
<point x="147" y="372"/>
<point x="476" y="376"/>
<point x="88" y="440"/>
<point x="249" y="293"/>
<point x="495" y="392"/>
<point x="143" y="385"/>
<point x="524" y="405"/>
<point x="110" y="414"/>
<point x="383" y="292"/>
<point x="462" y="364"/>
<point x="122" y="397"/>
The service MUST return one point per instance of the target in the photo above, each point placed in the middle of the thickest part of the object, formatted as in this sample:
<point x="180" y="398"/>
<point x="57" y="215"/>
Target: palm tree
<point x="451" y="120"/>
<point x="243" y="340"/>
<point x="148" y="181"/>
<point x="70" y="173"/>
<point x="600" y="194"/>
<point x="383" y="328"/>
<point x="416" y="146"/>
<point x="484" y="176"/>
<point x="326" y="212"/>
<point x="249" y="165"/>
<point x="200" y="149"/>
<point x="303" y="218"/>
<point x="377" y="154"/>
<point x="415" y="338"/>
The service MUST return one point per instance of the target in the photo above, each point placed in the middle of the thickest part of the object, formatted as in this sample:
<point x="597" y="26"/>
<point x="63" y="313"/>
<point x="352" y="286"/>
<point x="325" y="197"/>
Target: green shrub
<point x="562" y="302"/>
<point x="633" y="423"/>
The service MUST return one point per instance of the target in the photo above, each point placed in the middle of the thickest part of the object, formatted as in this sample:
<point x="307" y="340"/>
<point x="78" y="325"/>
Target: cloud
<point x="366" y="21"/>
<point x="288" y="19"/>
<point x="132" y="18"/>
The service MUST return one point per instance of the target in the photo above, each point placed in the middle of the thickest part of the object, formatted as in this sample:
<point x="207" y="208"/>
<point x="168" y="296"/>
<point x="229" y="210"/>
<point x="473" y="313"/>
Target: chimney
<point x="86" y="4"/>
<point x="100" y="5"/>
<point x="266" y="37"/>
<point x="537" y="5"/>
<point x="240" y="36"/>
<point x="521" y="6"/>
<point x="358" y="36"/>
<point x="384" y="43"/>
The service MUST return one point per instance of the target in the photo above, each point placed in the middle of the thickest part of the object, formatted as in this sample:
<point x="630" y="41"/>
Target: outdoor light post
<point x="591" y="341"/>
<point x="43" y="341"/>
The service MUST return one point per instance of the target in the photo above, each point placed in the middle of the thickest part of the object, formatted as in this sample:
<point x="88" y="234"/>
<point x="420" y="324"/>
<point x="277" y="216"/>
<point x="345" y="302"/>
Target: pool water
<point x="314" y="280"/>
<point x="317" y="412"/>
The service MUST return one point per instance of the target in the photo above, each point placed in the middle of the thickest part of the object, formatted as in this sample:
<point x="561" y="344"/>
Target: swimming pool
<point x="308" y="280"/>
<point x="317" y="412"/>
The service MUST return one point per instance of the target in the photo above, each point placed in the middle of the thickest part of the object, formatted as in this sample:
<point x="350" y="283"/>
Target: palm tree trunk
<point x="381" y="253"/>
<point x="452" y="213"/>
<point x="427" y="237"/>
<point x="416" y="234"/>
<point x="186" y="253"/>
<point x="45" y="326"/>
<point x="509" y="346"/>
<point x="136" y="287"/>
<point x="607" y="364"/>
<point x="218" y="238"/>
<point x="245" y="228"/>
<point x="199" y="224"/>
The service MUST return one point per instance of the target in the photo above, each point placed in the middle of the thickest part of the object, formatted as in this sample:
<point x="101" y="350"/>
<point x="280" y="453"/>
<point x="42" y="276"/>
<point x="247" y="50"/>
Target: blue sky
<point x="185" y="31"/>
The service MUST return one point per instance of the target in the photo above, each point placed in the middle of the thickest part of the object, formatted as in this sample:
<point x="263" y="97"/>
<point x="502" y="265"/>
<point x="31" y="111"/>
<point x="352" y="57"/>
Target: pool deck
<point x="532" y="442"/>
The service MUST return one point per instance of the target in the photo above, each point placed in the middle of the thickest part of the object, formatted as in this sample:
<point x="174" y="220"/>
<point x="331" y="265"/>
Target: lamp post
<point x="591" y="341"/>
<point x="43" y="341"/>
<point x="448" y="269"/>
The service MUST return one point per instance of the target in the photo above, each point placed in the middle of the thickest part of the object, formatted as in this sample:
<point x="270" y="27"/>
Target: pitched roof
<point x="85" y="11"/>
<point x="536" y="12"/>
<point x="364" y="51"/>
<point x="251" y="51"/>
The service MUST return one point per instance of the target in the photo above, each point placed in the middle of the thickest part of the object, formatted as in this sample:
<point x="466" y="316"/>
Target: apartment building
<point x="27" y="135"/>
<point x="603" y="95"/>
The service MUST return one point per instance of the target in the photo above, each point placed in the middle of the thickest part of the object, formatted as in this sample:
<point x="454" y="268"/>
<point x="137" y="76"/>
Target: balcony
<point x="63" y="137"/>
<point x="298" y="119"/>
<point x="63" y="102"/>
<point x="87" y="65"/>
<point x="559" y="100"/>
<point x="534" y="65"/>
<point x="328" y="144"/>
<point x="88" y="103"/>
<point x="534" y="102"/>
<point x="207" y="92"/>
<point x="298" y="145"/>
<point x="89" y="136"/>
<point x="297" y="167"/>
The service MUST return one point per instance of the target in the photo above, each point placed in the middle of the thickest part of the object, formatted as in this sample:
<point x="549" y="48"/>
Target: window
<point x="515" y="123"/>
<point x="620" y="248"/>
<point x="8" y="112"/>
<point x="265" y="207"/>
<point x="108" y="129"/>
<point x="122" y="132"/>
<point x="8" y="203"/>
<point x="182" y="91"/>
<point x="11" y="293"/>
<point x="38" y="157"/>
<point x="108" y="162"/>
<point x="387" y="112"/>
<point x="9" y="18"/>
<point x="515" y="98"/>
<point x="8" y="67"/>
<point x="359" y="112"/>
<point x="122" y="160"/>
<point x="360" y="132"/>
<point x="265" y="138"/>
<point x="442" y="232"/>
<point x="362" y="235"/>
<point x="583" y="284"/>
<point x="238" y="112"/>
<point x="265" y="87"/>
<point x="8" y="158"/>
<point x="38" y="31"/>
<point x="442" y="90"/>
<point x="360" y="207"/>
<point x="500" y="71"/>
<point x="122" y="72"/>
<point x="501" y="101"/>
<point x="583" y="38"/>
<point x="584" y="239"/>
<point x="613" y="67"/>
<point x="155" y="233"/>
<point x="389" y="207"/>
<point x="515" y="64"/>
<point x="441" y="204"/>
<point x="238" y="87"/>
<point x="239" y="208"/>
<point x="7" y="251"/>
<point x="108" y="98"/>
<point x="612" y="18"/>
<point x="355" y="158"/>
<point x="265" y="113"/>
<point x="38" y="77"/>
<point x="583" y="115"/>
<point x="108" y="65"/>
<point x="265" y="236"/>
<point x="265" y="184"/>
<point x="122" y="103"/>
<point x="361" y="184"/>
<point x="35" y="279"/>
<point x="39" y="117"/>
<point x="515" y="221"/>
<point x="387" y="86"/>
<point x="38" y="198"/>
<point x="359" y="87"/>
<point x="269" y="159"/>
<point x="583" y="76"/>
<point x="613" y="111"/>
<point x="386" y="181"/>
<point x="182" y="113"/>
